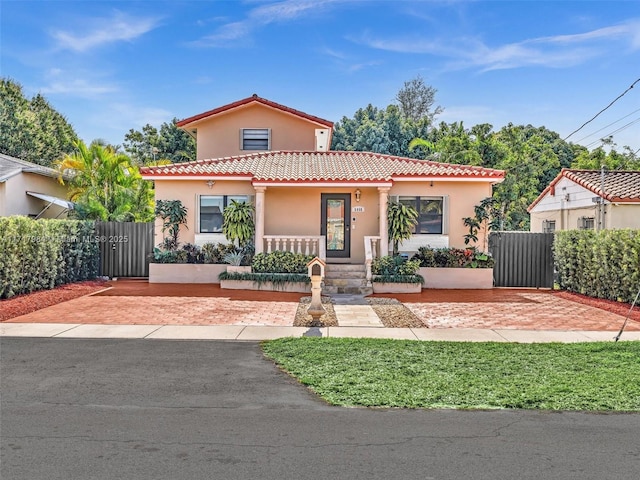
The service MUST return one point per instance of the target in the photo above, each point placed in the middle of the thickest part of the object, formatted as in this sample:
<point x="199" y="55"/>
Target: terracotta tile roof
<point x="254" y="98"/>
<point x="619" y="186"/>
<point x="332" y="166"/>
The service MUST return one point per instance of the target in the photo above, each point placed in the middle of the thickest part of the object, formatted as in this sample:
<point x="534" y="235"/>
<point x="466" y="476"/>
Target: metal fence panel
<point x="125" y="248"/>
<point x="523" y="259"/>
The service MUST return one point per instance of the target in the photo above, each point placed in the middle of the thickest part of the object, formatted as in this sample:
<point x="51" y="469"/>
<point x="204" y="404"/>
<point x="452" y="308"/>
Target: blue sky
<point x="109" y="66"/>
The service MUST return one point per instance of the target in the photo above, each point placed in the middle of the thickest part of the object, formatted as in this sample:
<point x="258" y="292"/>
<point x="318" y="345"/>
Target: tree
<point x="380" y="131"/>
<point x="612" y="160"/>
<point x="416" y="101"/>
<point x="152" y="145"/>
<point x="105" y="186"/>
<point x="31" y="129"/>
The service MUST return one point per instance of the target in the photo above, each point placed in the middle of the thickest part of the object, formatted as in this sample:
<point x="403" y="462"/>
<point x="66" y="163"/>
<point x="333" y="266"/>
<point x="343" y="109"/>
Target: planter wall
<point x="457" y="278"/>
<point x="185" y="272"/>
<point x="294" y="287"/>
<point x="383" y="287"/>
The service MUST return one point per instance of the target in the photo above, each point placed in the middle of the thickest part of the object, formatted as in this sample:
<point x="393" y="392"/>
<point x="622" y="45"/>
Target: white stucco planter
<point x="383" y="287"/>
<point x="185" y="272"/>
<point x="457" y="278"/>
<point x="239" y="269"/>
<point x="292" y="287"/>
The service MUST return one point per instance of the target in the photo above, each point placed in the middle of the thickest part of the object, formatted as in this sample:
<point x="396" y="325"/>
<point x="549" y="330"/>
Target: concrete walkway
<point x="354" y="311"/>
<point x="254" y="333"/>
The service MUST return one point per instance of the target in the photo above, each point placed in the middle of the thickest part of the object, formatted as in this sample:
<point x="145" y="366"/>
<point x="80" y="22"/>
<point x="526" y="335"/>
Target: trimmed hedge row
<point x="602" y="264"/>
<point x="41" y="254"/>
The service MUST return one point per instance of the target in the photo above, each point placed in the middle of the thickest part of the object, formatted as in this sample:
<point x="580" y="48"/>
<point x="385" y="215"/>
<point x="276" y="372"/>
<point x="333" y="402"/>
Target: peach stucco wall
<point x="297" y="210"/>
<point x="15" y="201"/>
<point x="220" y="135"/>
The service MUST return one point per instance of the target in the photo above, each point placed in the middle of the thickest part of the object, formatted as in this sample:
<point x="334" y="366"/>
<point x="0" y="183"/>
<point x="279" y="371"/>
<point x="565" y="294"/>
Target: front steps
<point x="343" y="278"/>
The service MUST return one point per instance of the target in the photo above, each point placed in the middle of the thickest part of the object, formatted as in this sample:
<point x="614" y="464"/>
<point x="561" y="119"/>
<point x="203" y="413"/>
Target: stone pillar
<point x="259" y="237"/>
<point x="384" y="225"/>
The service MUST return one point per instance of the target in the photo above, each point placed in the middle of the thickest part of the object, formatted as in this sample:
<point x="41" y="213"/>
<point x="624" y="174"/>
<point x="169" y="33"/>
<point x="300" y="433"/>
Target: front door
<point x="336" y="216"/>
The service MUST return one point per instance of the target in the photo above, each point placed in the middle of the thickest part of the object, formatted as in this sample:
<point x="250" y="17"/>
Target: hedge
<point x="41" y="254"/>
<point x="602" y="264"/>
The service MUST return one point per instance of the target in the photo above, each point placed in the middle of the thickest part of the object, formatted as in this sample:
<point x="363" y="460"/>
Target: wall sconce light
<point x="358" y="193"/>
<point x="210" y="183"/>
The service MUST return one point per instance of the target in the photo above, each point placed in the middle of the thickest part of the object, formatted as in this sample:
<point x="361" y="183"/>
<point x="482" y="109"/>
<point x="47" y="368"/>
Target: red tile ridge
<point x="251" y="99"/>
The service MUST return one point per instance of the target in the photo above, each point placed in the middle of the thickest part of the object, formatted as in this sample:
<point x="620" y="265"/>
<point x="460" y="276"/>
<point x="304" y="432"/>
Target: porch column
<point x="260" y="219"/>
<point x="383" y="193"/>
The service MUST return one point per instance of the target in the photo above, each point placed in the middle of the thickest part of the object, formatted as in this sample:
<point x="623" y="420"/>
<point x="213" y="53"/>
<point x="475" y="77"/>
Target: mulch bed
<point x="303" y="319"/>
<point x="30" y="302"/>
<point x="608" y="305"/>
<point x="394" y="314"/>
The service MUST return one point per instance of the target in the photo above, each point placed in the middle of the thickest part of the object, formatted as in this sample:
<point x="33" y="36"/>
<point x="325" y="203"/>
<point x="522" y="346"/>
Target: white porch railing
<point x="371" y="251"/>
<point x="307" y="244"/>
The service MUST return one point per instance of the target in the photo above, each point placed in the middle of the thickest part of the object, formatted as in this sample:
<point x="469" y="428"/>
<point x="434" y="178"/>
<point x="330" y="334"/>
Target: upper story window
<point x="255" y="139"/>
<point x="211" y="208"/>
<point x="430" y="213"/>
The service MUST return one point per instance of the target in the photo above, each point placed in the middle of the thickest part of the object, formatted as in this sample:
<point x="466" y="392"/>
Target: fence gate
<point x="523" y="259"/>
<point x="125" y="248"/>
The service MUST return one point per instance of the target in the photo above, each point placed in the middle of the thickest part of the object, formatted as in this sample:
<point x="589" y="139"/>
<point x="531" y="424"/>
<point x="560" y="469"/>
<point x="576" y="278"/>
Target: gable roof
<point x="249" y="100"/>
<point x="11" y="166"/>
<point x="313" y="167"/>
<point x="619" y="186"/>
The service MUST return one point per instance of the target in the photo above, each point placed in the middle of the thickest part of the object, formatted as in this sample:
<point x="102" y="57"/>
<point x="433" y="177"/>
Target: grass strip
<point x="595" y="376"/>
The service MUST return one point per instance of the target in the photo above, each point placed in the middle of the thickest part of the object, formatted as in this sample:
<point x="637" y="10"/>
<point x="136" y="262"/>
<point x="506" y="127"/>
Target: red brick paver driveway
<point x="140" y="303"/>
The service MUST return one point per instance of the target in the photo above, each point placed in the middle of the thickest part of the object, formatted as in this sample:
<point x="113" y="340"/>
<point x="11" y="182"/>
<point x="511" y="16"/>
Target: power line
<point x="601" y="111"/>
<point x="611" y="134"/>
<point x="607" y="126"/>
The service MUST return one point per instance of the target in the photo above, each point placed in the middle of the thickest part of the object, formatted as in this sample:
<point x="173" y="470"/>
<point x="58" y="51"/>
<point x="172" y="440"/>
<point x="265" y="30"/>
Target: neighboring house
<point x="308" y="198"/>
<point x="588" y="200"/>
<point x="30" y="189"/>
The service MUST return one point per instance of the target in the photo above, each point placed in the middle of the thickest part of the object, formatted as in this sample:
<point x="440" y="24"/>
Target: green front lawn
<point x="392" y="373"/>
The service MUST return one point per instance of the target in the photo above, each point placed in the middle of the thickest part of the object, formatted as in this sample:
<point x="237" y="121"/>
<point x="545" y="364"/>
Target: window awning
<point x="60" y="202"/>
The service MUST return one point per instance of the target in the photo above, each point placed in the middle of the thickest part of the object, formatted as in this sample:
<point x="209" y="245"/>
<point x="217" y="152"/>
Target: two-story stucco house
<point x="307" y="197"/>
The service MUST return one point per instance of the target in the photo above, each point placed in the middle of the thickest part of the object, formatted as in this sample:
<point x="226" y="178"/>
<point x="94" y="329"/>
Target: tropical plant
<point x="237" y="222"/>
<point x="402" y="220"/>
<point x="104" y="185"/>
<point x="173" y="215"/>
<point x="487" y="217"/>
<point x="150" y="146"/>
<point x="233" y="258"/>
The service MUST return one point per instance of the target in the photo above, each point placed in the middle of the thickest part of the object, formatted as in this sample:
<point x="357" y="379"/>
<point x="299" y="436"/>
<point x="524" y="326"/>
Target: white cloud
<point x="554" y="51"/>
<point x="77" y="87"/>
<point x="101" y="31"/>
<point x="261" y="16"/>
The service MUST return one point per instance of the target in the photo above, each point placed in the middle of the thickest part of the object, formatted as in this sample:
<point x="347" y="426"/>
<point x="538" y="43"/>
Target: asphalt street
<point x="142" y="409"/>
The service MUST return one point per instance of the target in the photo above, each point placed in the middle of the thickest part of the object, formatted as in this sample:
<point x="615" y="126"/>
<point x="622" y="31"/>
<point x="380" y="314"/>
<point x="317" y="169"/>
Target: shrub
<point x="280" y="262"/>
<point x="395" y="269"/>
<point x="602" y="264"/>
<point x="453" y="258"/>
<point x="214" y="253"/>
<point x="40" y="254"/>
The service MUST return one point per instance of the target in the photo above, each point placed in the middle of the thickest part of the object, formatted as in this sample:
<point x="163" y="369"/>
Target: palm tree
<point x="402" y="219"/>
<point x="104" y="184"/>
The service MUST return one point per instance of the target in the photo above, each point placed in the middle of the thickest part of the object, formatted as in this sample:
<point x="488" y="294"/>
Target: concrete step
<point x="339" y="267"/>
<point x="345" y="282"/>
<point x="333" y="290"/>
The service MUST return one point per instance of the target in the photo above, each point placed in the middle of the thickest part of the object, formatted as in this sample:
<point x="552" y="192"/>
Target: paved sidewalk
<point x="254" y="333"/>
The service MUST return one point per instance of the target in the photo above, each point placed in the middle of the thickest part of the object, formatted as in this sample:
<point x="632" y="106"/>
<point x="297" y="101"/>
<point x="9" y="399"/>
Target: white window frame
<point x="226" y="199"/>
<point x="244" y="132"/>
